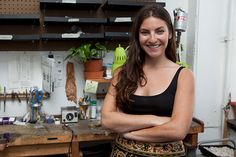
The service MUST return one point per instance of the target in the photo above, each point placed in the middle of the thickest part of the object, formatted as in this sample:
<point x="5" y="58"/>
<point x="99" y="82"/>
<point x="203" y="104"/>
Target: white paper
<point x="91" y="86"/>
<point x="19" y="71"/>
<point x="48" y="67"/>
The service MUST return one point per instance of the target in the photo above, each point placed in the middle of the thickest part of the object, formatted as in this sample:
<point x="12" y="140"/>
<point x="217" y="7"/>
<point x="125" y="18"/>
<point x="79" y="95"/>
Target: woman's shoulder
<point x="186" y="74"/>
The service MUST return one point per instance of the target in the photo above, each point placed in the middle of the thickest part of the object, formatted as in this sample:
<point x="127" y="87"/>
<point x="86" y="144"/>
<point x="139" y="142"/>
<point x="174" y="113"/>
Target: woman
<point x="150" y="100"/>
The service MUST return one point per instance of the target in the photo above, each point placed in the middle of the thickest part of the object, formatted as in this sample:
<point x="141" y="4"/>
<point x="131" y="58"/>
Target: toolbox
<point x="212" y="148"/>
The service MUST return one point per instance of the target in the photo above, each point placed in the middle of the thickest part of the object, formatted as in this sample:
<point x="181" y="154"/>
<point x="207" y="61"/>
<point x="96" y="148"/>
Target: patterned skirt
<point x="130" y="148"/>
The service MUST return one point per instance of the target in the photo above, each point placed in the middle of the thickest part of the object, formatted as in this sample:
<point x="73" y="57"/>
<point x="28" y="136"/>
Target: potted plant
<point x="91" y="56"/>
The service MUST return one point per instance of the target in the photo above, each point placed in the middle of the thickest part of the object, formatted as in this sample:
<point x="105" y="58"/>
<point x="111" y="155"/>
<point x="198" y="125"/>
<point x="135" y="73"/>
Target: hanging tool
<point x="26" y="96"/>
<point x="5" y="99"/>
<point x="15" y="95"/>
<point x="18" y="98"/>
<point x="180" y="25"/>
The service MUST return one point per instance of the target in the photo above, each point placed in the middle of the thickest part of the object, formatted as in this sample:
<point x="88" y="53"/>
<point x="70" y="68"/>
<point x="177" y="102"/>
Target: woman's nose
<point x="153" y="37"/>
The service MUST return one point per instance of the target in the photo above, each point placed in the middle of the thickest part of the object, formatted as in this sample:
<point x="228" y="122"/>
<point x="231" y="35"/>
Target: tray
<point x="206" y="149"/>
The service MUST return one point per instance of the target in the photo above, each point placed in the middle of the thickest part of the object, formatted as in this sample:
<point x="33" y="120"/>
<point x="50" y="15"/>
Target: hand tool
<point x="13" y="96"/>
<point x="18" y="98"/>
<point x="5" y="97"/>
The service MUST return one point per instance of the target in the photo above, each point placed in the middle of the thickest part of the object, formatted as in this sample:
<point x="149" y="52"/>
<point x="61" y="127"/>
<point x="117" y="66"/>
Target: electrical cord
<point x="67" y="127"/>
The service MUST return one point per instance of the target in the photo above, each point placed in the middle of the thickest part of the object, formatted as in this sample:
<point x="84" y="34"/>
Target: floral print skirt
<point x="130" y="148"/>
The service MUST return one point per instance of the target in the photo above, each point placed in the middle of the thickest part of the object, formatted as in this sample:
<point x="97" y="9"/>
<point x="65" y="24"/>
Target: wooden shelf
<point x="70" y="4"/>
<point x="101" y="80"/>
<point x="20" y="19"/>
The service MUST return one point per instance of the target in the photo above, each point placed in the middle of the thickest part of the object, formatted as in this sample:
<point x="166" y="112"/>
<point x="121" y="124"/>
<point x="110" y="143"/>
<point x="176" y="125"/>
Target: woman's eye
<point x="144" y="33"/>
<point x="160" y="31"/>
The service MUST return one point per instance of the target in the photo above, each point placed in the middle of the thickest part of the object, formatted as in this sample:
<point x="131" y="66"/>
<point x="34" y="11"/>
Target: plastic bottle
<point x="93" y="111"/>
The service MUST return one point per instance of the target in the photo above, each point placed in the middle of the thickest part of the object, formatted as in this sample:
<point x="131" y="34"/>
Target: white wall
<point x="57" y="98"/>
<point x="212" y="64"/>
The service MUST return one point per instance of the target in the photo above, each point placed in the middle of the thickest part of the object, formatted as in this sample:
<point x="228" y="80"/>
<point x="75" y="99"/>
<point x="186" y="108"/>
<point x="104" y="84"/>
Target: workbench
<point x="56" y="139"/>
<point x="30" y="141"/>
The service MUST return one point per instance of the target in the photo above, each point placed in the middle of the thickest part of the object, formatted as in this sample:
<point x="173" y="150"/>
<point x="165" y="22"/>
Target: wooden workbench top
<point x="28" y="135"/>
<point x="50" y="133"/>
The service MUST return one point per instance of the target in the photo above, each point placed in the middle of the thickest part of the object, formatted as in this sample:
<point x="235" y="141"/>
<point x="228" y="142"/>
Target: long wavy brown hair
<point x="131" y="73"/>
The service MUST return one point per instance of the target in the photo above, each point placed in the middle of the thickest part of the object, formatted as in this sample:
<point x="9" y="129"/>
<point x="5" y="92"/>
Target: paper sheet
<point x="19" y="71"/>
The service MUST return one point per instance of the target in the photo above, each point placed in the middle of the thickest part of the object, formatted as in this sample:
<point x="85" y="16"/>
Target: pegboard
<point x="19" y="7"/>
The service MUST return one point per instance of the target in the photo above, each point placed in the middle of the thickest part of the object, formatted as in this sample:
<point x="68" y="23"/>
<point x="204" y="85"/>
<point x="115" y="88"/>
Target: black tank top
<point x="161" y="104"/>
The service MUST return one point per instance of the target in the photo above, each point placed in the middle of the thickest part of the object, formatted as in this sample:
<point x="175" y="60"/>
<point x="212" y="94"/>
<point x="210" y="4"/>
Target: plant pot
<point x="93" y="65"/>
<point x="233" y="106"/>
<point x="93" y="75"/>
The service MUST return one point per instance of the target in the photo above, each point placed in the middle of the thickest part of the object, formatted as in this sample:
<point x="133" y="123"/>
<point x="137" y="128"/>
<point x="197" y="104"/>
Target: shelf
<point x="72" y="36"/>
<point x="21" y="19"/>
<point x="12" y="37"/>
<point x="101" y="80"/>
<point x="117" y="35"/>
<point x="127" y="4"/>
<point x="70" y="4"/>
<point x="72" y="20"/>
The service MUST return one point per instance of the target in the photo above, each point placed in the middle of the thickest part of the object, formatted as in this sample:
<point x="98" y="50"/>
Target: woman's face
<point x="154" y="36"/>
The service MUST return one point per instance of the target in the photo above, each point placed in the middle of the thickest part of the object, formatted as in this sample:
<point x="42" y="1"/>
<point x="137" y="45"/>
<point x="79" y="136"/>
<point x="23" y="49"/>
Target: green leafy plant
<point x="87" y="52"/>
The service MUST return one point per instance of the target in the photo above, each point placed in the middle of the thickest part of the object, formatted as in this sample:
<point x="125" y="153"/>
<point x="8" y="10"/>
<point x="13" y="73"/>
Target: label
<point x="68" y="1"/>
<point x="73" y="20"/>
<point x="70" y="35"/>
<point x="123" y="19"/>
<point x="6" y="37"/>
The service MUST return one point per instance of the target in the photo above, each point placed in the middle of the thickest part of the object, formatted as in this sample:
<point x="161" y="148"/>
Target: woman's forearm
<point x="121" y="122"/>
<point x="169" y="131"/>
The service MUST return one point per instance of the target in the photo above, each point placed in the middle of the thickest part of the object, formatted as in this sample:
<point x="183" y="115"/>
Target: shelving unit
<point x="21" y="21"/>
<point x="55" y="22"/>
